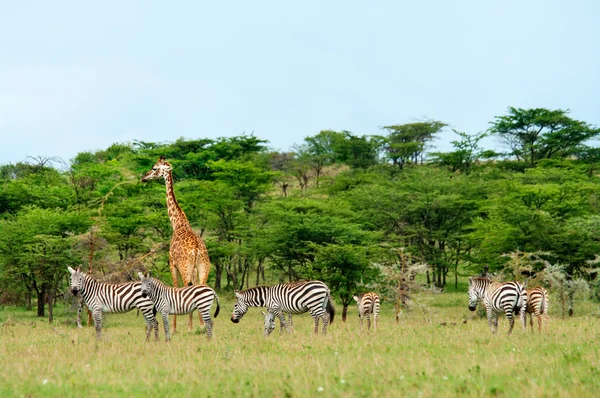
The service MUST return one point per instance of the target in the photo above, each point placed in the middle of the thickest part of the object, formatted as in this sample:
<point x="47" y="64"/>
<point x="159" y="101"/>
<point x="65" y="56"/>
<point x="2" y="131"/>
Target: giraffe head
<point x="159" y="170"/>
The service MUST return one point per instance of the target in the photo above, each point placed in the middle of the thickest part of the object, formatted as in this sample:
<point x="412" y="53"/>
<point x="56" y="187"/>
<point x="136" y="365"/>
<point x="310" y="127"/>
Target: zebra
<point x="107" y="297"/>
<point x="537" y="304"/>
<point x="368" y="303"/>
<point x="508" y="297"/>
<point x="290" y="298"/>
<point x="180" y="301"/>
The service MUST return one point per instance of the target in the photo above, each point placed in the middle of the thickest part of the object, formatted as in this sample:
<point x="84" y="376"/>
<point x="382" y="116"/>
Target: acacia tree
<point x="406" y="143"/>
<point x="539" y="133"/>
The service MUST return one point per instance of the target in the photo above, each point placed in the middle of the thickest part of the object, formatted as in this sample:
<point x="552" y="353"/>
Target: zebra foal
<point x="290" y="298"/>
<point x="368" y="304"/>
<point x="107" y="297"/>
<point x="180" y="301"/>
<point x="509" y="298"/>
<point x="537" y="305"/>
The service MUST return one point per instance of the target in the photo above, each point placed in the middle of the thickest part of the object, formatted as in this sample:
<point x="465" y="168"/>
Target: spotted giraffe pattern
<point x="187" y="252"/>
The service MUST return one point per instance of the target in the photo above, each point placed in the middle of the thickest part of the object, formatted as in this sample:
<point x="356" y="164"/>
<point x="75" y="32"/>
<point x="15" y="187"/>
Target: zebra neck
<point x="88" y="287"/>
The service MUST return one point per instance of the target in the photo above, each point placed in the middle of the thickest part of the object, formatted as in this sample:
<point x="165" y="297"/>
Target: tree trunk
<point x="28" y="302"/>
<point x="41" y="300"/>
<point x="50" y="305"/>
<point x="218" y="274"/>
<point x="344" y="312"/>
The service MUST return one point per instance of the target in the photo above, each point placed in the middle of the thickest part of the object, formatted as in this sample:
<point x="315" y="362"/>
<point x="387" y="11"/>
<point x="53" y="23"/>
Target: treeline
<point x="347" y="209"/>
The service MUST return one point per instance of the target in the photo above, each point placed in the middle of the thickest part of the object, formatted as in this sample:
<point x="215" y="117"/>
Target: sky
<point x="79" y="76"/>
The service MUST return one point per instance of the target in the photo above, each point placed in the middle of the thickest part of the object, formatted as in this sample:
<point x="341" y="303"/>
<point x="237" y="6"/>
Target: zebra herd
<point x="509" y="298"/>
<point x="150" y="296"/>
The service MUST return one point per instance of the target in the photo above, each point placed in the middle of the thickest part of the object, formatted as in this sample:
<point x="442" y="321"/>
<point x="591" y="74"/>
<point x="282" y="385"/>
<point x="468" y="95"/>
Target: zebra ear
<point x="79" y="268"/>
<point x="238" y="295"/>
<point x="470" y="280"/>
<point x="355" y="298"/>
<point x="264" y="313"/>
<point x="141" y="276"/>
<point x="71" y="270"/>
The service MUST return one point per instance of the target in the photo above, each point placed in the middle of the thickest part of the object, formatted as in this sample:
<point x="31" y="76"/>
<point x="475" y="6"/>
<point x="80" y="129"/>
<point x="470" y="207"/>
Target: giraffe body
<point x="188" y="256"/>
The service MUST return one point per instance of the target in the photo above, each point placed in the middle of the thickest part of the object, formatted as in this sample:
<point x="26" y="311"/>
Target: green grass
<point x="417" y="357"/>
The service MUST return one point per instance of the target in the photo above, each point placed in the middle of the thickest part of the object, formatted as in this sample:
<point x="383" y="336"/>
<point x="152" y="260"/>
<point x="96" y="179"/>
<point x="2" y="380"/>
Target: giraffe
<point x="188" y="251"/>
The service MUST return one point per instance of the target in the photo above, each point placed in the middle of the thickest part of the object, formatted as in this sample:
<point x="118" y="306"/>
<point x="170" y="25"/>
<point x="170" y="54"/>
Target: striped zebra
<point x="180" y="301"/>
<point x="289" y="298"/>
<point x="538" y="305"/>
<point x="368" y="303"/>
<point x="509" y="298"/>
<point x="107" y="297"/>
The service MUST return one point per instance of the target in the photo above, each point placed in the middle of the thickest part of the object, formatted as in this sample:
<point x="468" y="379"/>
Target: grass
<point x="417" y="357"/>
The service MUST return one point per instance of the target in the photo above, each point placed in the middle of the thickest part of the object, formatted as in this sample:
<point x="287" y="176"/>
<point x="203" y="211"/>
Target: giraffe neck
<point x="176" y="214"/>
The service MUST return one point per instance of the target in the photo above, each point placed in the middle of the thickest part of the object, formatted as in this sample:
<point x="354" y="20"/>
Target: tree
<point x="406" y="143"/>
<point x="467" y="153"/>
<point x="539" y="133"/>
<point x="36" y="247"/>
<point x="343" y="267"/>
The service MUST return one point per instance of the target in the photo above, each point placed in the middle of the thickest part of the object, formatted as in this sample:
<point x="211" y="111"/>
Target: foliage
<point x="539" y="133"/>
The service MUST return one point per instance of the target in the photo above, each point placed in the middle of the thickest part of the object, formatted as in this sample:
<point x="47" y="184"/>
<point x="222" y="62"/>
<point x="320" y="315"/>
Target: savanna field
<point x="430" y="352"/>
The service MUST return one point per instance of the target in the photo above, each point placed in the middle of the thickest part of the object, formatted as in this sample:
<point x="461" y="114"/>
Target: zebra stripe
<point x="508" y="298"/>
<point x="290" y="298"/>
<point x="538" y="305"/>
<point x="180" y="300"/>
<point x="107" y="297"/>
<point x="368" y="304"/>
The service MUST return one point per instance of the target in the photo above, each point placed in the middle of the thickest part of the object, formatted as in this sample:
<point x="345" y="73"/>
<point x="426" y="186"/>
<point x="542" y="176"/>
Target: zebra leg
<point x="79" y="308"/>
<point x="523" y="318"/>
<point x="165" y="318"/>
<point x="98" y="322"/>
<point x="316" y="324"/>
<point x="369" y="321"/>
<point x="375" y="322"/>
<point x="282" y="322"/>
<point x="208" y="322"/>
<point x="325" y="322"/>
<point x="490" y="319"/>
<point x="155" y="326"/>
<point x="539" y="319"/>
<point x="511" y="322"/>
<point x="360" y="317"/>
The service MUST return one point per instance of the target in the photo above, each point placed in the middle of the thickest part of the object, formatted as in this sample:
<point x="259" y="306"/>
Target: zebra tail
<point x="521" y="303"/>
<point x="330" y="308"/>
<point x="218" y="306"/>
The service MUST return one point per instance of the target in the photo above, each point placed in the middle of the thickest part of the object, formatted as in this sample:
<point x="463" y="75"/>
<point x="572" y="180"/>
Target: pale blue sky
<point x="76" y="77"/>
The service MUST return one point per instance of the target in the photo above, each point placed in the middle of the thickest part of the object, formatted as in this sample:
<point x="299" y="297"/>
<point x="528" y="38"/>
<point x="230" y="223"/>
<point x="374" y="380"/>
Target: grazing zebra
<point x="180" y="301"/>
<point x="290" y="298"/>
<point x="508" y="297"/>
<point x="107" y="297"/>
<point x="538" y="305"/>
<point x="368" y="303"/>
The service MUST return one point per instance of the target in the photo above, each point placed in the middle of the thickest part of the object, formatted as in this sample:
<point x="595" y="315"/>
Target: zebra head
<point x="160" y="170"/>
<point x="240" y="307"/>
<point x="146" y="284"/>
<point x="477" y="288"/>
<point x="77" y="280"/>
<point x="269" y="322"/>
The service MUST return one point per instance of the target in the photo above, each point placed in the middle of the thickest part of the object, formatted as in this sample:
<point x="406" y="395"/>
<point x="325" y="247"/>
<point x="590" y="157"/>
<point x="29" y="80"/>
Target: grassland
<point x="417" y="357"/>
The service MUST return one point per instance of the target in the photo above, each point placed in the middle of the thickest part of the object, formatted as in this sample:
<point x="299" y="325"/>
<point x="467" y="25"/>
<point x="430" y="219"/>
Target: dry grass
<point x="418" y="357"/>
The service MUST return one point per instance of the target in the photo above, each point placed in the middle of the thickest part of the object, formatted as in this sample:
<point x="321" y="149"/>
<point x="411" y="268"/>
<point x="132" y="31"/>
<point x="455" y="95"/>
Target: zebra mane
<point x="254" y="289"/>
